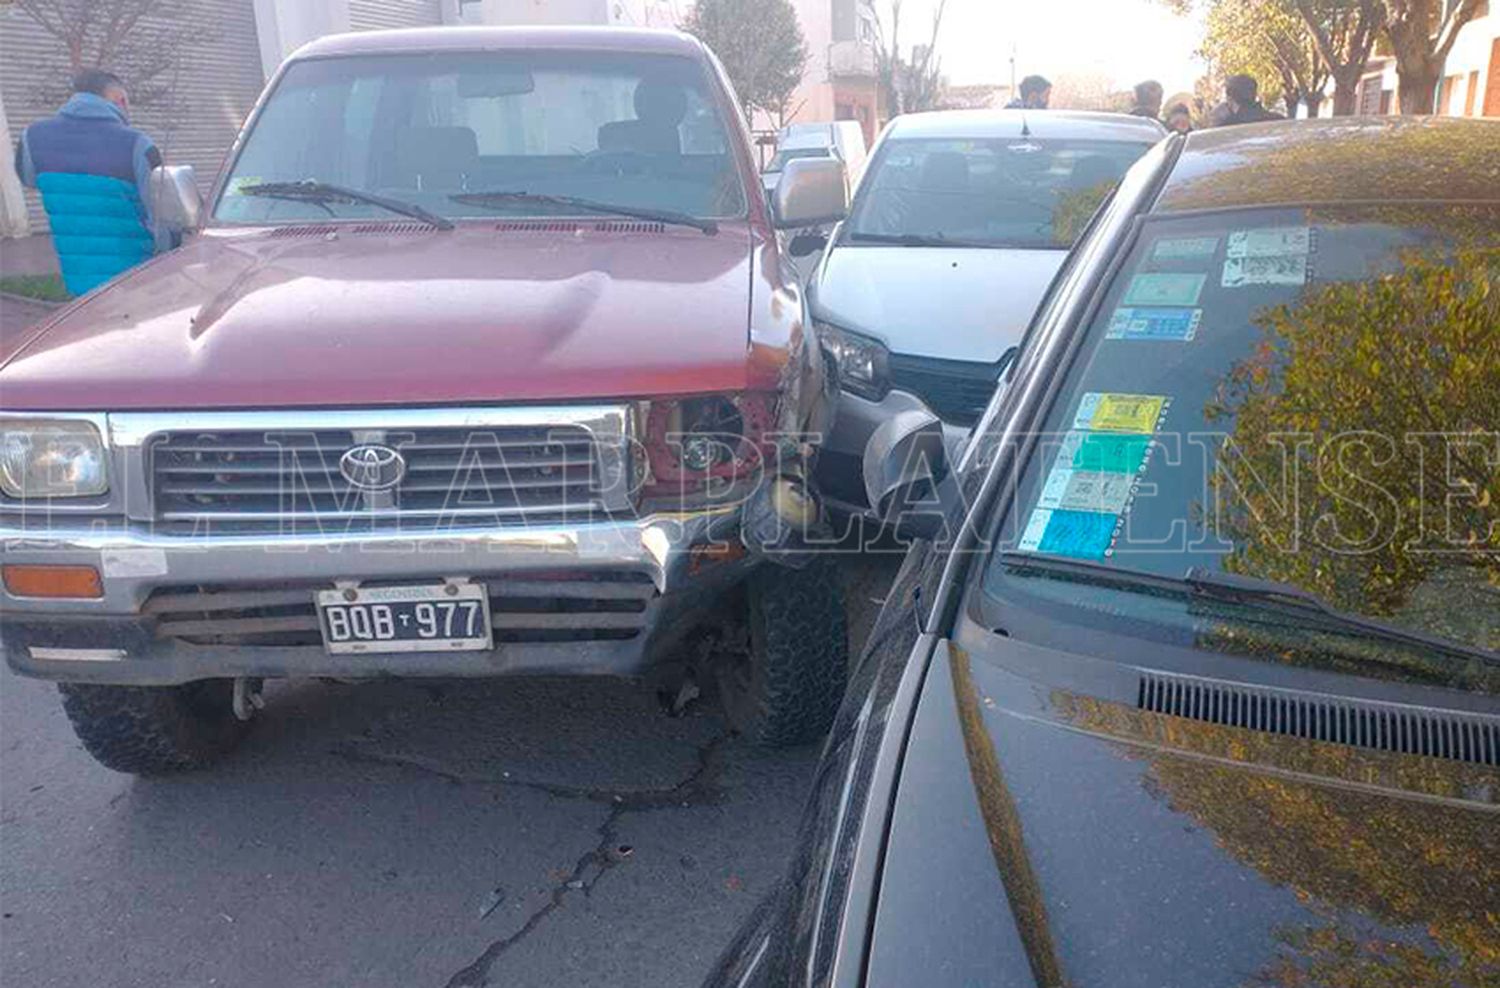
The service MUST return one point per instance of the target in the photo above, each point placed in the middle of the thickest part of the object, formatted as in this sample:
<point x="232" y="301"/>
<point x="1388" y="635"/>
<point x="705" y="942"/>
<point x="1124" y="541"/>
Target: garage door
<point x="366" y="15"/>
<point x="198" y="104"/>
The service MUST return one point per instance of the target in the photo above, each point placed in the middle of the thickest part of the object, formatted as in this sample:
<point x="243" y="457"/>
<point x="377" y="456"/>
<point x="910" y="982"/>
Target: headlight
<point x="51" y="458"/>
<point x="861" y="362"/>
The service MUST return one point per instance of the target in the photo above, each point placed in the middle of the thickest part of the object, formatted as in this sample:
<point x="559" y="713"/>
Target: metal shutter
<point x="210" y="92"/>
<point x="365" y="15"/>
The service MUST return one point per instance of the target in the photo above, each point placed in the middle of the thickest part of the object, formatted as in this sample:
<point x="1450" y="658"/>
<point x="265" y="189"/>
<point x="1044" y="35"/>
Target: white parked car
<point x="841" y="139"/>
<point x="957" y="228"/>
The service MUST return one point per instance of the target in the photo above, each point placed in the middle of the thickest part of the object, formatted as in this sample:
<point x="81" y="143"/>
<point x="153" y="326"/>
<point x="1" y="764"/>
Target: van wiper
<point x="502" y="198"/>
<point x="912" y="239"/>
<point x="322" y="193"/>
<point x="1202" y="583"/>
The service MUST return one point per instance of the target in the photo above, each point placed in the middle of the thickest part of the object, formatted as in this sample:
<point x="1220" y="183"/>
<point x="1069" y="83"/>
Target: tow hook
<point x="247" y="698"/>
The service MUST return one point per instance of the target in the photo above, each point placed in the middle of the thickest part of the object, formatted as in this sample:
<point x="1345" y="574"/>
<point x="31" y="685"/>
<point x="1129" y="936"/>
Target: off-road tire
<point x="152" y="730"/>
<point x="787" y="689"/>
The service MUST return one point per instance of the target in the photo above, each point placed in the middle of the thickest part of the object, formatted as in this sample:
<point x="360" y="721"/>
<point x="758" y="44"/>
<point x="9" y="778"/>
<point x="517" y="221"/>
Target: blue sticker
<point x="1179" y="325"/>
<point x="1060" y="532"/>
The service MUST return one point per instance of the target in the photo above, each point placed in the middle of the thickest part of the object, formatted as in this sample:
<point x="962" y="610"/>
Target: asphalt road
<point x="518" y="833"/>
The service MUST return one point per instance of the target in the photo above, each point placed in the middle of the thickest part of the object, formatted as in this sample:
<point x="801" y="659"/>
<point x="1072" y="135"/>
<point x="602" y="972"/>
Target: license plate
<point x="429" y="618"/>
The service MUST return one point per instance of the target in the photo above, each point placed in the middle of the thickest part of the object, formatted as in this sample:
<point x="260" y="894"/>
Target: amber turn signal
<point x="53" y="581"/>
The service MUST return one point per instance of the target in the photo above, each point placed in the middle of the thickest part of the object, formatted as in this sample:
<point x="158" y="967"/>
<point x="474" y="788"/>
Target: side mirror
<point x="175" y="199"/>
<point x="811" y="191"/>
<point x="907" y="479"/>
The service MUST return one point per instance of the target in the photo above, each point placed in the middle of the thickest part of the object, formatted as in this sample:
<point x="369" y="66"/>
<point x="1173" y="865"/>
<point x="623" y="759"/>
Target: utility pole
<point x="1012" y="70"/>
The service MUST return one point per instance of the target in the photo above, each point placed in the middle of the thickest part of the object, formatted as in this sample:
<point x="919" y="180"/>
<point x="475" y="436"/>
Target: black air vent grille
<point x="1360" y="723"/>
<point x="573" y="226"/>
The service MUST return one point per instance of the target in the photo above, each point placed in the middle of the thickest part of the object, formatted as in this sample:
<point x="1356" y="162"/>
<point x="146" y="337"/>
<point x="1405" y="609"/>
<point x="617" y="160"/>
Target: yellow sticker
<point x="1110" y="412"/>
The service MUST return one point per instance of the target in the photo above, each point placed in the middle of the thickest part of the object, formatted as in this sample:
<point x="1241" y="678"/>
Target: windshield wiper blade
<point x="912" y="240"/>
<point x="672" y="216"/>
<point x="311" y="190"/>
<point x="1201" y="583"/>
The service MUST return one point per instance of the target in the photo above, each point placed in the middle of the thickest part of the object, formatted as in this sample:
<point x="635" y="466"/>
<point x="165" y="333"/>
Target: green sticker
<point x="1103" y="452"/>
<point x="1178" y="248"/>
<point x="1165" y="289"/>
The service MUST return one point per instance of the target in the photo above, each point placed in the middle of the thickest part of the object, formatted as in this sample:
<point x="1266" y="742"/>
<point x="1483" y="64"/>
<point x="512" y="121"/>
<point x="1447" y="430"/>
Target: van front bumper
<point x="603" y="597"/>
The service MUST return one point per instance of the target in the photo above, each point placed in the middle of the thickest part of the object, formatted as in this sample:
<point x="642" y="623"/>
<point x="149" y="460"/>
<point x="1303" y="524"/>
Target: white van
<point x="842" y="139"/>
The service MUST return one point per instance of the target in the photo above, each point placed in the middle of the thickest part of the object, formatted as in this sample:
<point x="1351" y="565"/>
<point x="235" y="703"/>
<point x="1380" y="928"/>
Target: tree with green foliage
<point x="760" y="44"/>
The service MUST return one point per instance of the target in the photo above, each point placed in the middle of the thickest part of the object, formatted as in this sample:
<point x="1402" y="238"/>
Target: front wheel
<point x="786" y="690"/>
<point x="151" y="730"/>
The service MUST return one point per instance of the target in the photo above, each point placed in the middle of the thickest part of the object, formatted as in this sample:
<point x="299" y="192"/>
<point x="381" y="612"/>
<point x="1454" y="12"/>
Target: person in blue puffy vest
<point x="91" y="167"/>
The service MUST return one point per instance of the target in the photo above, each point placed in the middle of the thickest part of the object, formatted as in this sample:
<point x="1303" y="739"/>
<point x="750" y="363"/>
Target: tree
<point x="760" y="44"/>
<point x="909" y="83"/>
<point x="1345" y="33"/>
<point x="142" y="41"/>
<point x="1422" y="33"/>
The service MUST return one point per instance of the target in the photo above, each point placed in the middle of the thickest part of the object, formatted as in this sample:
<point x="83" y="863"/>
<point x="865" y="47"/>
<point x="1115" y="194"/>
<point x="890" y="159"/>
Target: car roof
<point x="1040" y="124"/>
<point x="1343" y="160"/>
<point x="468" y="38"/>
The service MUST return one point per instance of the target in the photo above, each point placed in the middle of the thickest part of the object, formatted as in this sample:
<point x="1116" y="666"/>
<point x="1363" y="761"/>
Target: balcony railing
<point x="851" y="58"/>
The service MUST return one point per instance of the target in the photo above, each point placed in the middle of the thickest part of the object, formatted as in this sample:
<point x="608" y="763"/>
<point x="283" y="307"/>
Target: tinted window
<point x="1310" y="396"/>
<point x="992" y="193"/>
<point x="633" y="130"/>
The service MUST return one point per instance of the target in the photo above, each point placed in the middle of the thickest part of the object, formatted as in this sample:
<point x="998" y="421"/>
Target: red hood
<point x="425" y="317"/>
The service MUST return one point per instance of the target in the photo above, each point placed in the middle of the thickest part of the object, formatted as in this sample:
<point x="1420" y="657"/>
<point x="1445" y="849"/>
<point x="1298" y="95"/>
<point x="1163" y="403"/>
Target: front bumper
<point x="118" y="638"/>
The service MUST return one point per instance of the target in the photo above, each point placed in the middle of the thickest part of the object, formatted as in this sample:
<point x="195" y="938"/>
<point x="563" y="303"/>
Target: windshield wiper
<point x="912" y="239"/>
<point x="322" y="193"/>
<point x="1201" y="583"/>
<point x="501" y="198"/>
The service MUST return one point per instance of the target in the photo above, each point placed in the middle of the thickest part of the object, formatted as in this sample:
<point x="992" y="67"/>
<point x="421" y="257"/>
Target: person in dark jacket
<point x="1036" y="93"/>
<point x="1148" y="97"/>
<point x="91" y="168"/>
<point x="1180" y="119"/>
<point x="1242" y="102"/>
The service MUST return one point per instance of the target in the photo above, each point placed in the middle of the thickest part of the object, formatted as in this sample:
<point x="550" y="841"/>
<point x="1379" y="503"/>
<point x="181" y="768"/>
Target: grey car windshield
<point x="993" y="193"/>
<point x="1309" y="396"/>
<point x="640" y="131"/>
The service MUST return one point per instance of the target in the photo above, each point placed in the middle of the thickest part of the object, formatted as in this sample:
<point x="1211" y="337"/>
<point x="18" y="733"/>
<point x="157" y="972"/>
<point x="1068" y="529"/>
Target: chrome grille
<point x="477" y="473"/>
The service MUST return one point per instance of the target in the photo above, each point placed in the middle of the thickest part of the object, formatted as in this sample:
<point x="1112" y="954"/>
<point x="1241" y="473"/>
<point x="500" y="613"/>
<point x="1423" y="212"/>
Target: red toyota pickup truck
<point x="484" y="357"/>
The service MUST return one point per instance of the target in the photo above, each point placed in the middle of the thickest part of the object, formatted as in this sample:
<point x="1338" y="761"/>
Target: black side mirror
<point x="907" y="478"/>
<point x="804" y="244"/>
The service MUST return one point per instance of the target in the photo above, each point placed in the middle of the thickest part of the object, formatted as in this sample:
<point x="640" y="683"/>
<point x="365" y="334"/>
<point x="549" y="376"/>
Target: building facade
<point x="841" y="81"/>
<point x="1470" y="86"/>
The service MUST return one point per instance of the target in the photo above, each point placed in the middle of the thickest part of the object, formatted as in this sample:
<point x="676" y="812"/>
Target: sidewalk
<point x="16" y="314"/>
<point x="28" y="255"/>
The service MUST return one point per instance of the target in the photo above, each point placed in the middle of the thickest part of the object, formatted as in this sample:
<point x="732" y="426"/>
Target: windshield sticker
<point x="1165" y="289"/>
<point x="1240" y="272"/>
<point x="1119" y="412"/>
<point x="1179" y="248"/>
<point x="1104" y="452"/>
<point x="1085" y="490"/>
<point x="1059" y="532"/>
<point x="1177" y="325"/>
<point x="240" y="182"/>
<point x="1282" y="241"/>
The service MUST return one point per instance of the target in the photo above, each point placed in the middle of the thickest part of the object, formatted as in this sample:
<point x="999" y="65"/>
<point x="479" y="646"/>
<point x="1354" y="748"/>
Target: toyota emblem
<point x="372" y="467"/>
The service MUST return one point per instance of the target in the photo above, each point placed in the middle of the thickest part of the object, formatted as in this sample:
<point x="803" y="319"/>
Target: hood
<point x="401" y="315"/>
<point x="87" y="106"/>
<point x="1042" y="837"/>
<point x="951" y="303"/>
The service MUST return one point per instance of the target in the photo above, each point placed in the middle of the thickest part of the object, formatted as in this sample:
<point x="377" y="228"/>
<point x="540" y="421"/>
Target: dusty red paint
<point x="328" y="316"/>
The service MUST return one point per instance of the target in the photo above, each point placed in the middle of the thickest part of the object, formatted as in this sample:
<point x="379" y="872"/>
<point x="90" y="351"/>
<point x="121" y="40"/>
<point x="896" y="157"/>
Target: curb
<point x="28" y="300"/>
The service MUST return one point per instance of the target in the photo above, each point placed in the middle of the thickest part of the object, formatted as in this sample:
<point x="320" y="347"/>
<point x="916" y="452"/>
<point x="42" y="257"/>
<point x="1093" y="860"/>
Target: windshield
<point x="1307" y="396"/>
<point x="791" y="154"/>
<point x="641" y="131"/>
<point x="991" y="193"/>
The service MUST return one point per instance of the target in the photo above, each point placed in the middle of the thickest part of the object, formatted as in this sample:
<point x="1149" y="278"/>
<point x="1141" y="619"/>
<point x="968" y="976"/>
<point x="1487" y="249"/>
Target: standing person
<point x="1148" y="97"/>
<point x="91" y="168"/>
<point x="1180" y="119"/>
<point x="1242" y="102"/>
<point x="1036" y="93"/>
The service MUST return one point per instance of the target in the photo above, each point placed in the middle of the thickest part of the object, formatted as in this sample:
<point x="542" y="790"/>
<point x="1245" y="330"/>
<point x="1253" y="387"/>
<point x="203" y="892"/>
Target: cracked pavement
<point x="442" y="833"/>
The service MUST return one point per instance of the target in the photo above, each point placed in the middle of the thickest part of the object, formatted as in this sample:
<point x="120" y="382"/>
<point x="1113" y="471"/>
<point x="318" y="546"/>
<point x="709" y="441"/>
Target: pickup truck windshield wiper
<point x="322" y="193"/>
<point x="912" y="239"/>
<point x="1201" y="583"/>
<point x="587" y="205"/>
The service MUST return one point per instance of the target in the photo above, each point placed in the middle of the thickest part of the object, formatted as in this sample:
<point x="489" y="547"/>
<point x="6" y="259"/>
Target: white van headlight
<point x="862" y="362"/>
<point x="51" y="458"/>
